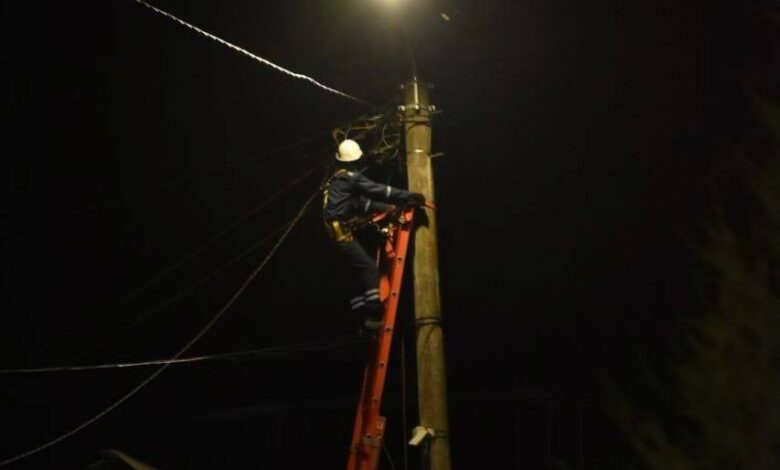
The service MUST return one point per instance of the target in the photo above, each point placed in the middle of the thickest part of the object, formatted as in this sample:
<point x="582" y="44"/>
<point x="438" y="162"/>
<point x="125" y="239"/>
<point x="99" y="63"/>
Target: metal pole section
<point x="431" y="381"/>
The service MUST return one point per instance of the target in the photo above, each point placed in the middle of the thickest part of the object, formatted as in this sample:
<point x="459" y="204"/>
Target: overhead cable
<point x="409" y="48"/>
<point x="215" y="238"/>
<point x="181" y="351"/>
<point x="321" y="345"/>
<point x="389" y="456"/>
<point x="191" y="255"/>
<point x="198" y="174"/>
<point x="210" y="171"/>
<point x="189" y="289"/>
<point x="253" y="56"/>
<point x="218" y="236"/>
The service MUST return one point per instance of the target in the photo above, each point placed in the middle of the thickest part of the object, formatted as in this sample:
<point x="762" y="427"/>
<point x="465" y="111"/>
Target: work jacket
<point x="349" y="194"/>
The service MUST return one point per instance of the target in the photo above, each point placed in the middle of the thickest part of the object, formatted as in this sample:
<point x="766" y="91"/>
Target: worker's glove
<point x="415" y="199"/>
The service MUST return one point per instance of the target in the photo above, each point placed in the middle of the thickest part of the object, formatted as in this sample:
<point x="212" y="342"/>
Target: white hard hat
<point x="349" y="151"/>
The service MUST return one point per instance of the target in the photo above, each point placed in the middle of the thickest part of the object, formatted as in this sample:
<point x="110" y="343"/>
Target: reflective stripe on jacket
<point x="348" y="194"/>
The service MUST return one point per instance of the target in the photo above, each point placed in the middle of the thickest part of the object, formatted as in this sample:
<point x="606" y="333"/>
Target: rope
<point x="320" y="345"/>
<point x="252" y="56"/>
<point x="183" y="350"/>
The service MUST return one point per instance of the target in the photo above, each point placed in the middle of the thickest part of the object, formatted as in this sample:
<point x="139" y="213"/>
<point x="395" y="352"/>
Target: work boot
<point x="374" y="318"/>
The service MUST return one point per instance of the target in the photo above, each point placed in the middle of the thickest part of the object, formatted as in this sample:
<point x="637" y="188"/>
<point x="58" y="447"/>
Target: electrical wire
<point x="321" y="345"/>
<point x="409" y="48"/>
<point x="389" y="457"/>
<point x="253" y="56"/>
<point x="130" y="196"/>
<point x="192" y="176"/>
<point x="170" y="268"/>
<point x="218" y="236"/>
<point x="404" y="405"/>
<point x="187" y="290"/>
<point x="194" y="253"/>
<point x="181" y="351"/>
<point x="222" y="233"/>
<point x="358" y="128"/>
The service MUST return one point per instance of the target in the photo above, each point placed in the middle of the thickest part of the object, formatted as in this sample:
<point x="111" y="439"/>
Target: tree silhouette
<point x="715" y="402"/>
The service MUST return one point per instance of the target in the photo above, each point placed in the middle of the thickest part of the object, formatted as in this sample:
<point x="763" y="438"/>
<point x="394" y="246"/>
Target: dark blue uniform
<point x="349" y="195"/>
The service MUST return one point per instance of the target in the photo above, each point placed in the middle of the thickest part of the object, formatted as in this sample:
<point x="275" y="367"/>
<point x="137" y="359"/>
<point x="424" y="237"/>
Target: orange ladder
<point x="369" y="431"/>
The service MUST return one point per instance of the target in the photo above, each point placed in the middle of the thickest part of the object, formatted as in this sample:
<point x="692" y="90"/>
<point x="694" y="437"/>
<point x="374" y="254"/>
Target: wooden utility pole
<point x="431" y="381"/>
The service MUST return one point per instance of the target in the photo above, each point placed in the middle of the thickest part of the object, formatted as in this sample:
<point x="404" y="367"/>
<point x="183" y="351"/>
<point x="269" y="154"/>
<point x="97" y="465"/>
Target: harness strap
<point x="326" y="186"/>
<point x="339" y="231"/>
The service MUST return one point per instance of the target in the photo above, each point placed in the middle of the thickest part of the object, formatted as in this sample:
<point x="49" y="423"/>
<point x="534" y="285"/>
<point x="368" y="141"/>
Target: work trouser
<point x="365" y="273"/>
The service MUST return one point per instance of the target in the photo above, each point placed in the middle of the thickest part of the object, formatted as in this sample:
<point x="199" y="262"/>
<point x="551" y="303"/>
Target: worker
<point x="349" y="196"/>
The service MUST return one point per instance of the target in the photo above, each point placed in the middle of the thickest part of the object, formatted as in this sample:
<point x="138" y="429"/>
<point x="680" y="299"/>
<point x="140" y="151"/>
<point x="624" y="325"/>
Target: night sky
<point x="579" y="141"/>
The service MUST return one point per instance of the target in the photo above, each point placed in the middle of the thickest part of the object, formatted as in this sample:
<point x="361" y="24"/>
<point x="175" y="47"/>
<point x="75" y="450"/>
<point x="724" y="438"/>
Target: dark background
<point x="579" y="141"/>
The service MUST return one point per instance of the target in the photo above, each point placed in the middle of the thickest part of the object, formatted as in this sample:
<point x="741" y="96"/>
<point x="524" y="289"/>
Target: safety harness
<point x="338" y="230"/>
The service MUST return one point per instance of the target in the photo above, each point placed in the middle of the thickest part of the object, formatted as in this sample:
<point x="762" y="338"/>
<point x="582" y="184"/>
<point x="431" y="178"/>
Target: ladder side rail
<point x="373" y="435"/>
<point x="360" y="416"/>
<point x="362" y="413"/>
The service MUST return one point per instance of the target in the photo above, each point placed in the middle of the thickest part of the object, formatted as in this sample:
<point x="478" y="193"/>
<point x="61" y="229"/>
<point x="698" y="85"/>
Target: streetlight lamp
<point x="396" y="4"/>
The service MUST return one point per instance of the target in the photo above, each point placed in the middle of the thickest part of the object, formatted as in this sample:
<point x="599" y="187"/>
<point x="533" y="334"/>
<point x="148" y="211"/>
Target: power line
<point x="187" y="290"/>
<point x="170" y="268"/>
<point x="192" y="176"/>
<point x="409" y="48"/>
<point x="389" y="457"/>
<point x="184" y="348"/>
<point x="253" y="56"/>
<point x="210" y="171"/>
<point x="197" y="251"/>
<point x="222" y="233"/>
<point x="321" y="345"/>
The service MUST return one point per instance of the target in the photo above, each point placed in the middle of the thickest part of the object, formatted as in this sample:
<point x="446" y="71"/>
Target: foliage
<point x="722" y="395"/>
